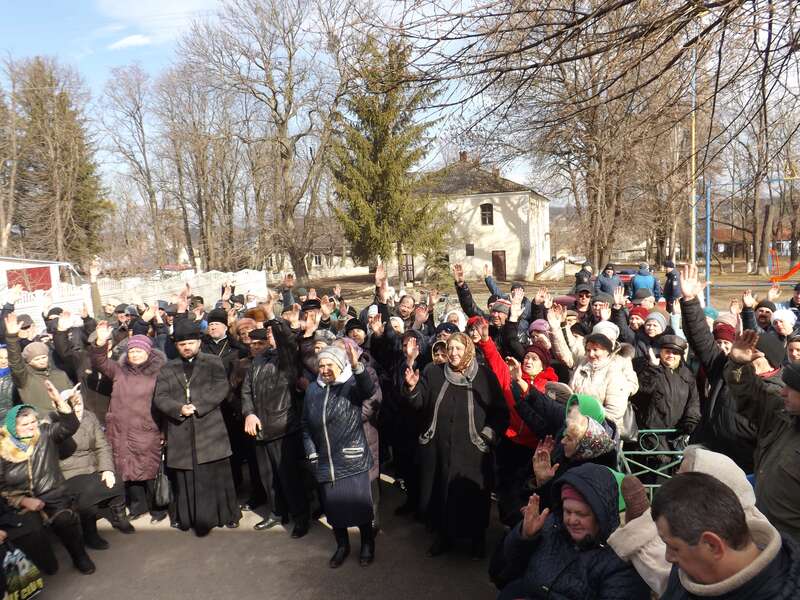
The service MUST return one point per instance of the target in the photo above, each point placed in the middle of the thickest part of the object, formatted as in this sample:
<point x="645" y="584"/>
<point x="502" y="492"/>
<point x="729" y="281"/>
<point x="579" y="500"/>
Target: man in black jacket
<point x="271" y="409"/>
<point x="721" y="429"/>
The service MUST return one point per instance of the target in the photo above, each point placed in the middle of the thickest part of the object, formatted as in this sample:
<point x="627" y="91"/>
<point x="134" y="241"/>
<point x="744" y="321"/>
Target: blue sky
<point x="94" y="36"/>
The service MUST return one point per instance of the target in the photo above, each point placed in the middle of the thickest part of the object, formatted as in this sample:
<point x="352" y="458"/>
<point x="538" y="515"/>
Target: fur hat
<point x="354" y="324"/>
<point x="217" y="315"/>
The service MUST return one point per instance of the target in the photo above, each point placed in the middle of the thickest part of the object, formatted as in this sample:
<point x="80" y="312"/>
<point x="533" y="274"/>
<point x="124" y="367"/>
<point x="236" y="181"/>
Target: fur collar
<point x="150" y="368"/>
<point x="11" y="452"/>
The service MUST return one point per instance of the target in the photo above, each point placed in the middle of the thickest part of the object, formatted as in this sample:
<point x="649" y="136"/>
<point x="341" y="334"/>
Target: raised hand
<point x="375" y="323"/>
<point x="533" y="520"/>
<point x="103" y="331"/>
<point x="380" y="275"/>
<point x="555" y="316"/>
<point x="64" y="321"/>
<point x="433" y="299"/>
<point x="352" y="355"/>
<point x="540" y="295"/>
<point x="327" y="307"/>
<point x="94" y="268"/>
<point x="149" y="314"/>
<point x="744" y="348"/>
<point x="516" y="305"/>
<point x="735" y="307"/>
<point x="337" y="291"/>
<point x="458" y="273"/>
<point x="15" y="293"/>
<point x="605" y="311"/>
<point x="619" y="297"/>
<point x="749" y="299"/>
<point x="515" y="368"/>
<point x="676" y="306"/>
<point x="691" y="287"/>
<point x="651" y="355"/>
<point x="226" y="291"/>
<point x="487" y="271"/>
<point x="288" y="281"/>
<point x="412" y="377"/>
<point x="312" y="294"/>
<point x="12" y="327"/>
<point x="410" y="349"/>
<point x="548" y="299"/>
<point x="542" y="469"/>
<point x="774" y="292"/>
<point x="420" y="314"/>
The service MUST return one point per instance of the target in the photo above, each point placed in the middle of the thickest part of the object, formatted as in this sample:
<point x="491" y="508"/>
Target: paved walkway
<point x="164" y="564"/>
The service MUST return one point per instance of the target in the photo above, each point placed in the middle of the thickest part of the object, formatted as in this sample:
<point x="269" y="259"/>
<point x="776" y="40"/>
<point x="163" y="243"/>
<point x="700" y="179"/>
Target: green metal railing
<point x="634" y="462"/>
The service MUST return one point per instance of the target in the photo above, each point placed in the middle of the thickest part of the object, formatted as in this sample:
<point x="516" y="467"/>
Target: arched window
<point x="487" y="214"/>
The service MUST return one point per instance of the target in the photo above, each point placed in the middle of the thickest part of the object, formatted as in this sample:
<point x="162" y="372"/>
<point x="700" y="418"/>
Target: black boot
<point x="91" y="538"/>
<point x="367" y="554"/>
<point x="119" y="520"/>
<point x="68" y="530"/>
<point x="342" y="548"/>
<point x="441" y="544"/>
<point x="301" y="526"/>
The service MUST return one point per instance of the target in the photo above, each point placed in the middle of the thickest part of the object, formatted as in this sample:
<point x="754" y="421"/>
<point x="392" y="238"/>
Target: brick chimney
<point x="462" y="156"/>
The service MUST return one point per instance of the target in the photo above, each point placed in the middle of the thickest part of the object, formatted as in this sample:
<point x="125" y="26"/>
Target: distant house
<point x="494" y="221"/>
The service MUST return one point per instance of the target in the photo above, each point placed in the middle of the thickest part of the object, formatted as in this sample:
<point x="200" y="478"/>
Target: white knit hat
<point x="786" y="315"/>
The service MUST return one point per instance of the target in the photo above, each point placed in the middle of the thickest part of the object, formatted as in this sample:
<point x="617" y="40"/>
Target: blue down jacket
<point x="333" y="433"/>
<point x="557" y="568"/>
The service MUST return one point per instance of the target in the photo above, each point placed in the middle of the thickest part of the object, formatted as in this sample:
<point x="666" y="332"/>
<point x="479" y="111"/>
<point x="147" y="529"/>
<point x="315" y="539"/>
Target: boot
<point x="367" y="554"/>
<point x="342" y="548"/>
<point x="301" y="526"/>
<point x="67" y="527"/>
<point x="91" y="538"/>
<point x="119" y="520"/>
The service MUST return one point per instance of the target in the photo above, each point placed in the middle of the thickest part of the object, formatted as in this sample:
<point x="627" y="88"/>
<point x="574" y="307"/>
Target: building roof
<point x="466" y="178"/>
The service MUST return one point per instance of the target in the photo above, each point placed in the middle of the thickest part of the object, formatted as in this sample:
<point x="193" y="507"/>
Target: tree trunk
<point x="766" y="238"/>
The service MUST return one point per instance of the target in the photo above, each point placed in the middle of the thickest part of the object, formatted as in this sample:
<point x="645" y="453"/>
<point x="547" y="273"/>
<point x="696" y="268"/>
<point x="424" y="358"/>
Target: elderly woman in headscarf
<point x="131" y="428"/>
<point x="463" y="416"/>
<point x="32" y="483"/>
<point x="88" y="468"/>
<point x="336" y="446"/>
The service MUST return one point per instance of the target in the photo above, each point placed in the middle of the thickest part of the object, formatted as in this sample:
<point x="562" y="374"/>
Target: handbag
<point x="630" y="428"/>
<point x="162" y="494"/>
<point x="23" y="580"/>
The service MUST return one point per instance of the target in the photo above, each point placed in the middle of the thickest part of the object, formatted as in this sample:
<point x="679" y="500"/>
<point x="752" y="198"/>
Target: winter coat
<point x="268" y="390"/>
<point x="613" y="382"/>
<point x="462" y="418"/>
<point x="517" y="431"/>
<point x="87" y="451"/>
<point x="30" y="382"/>
<point x="228" y="349"/>
<point x="558" y="569"/>
<point x="6" y="395"/>
<point x="672" y="286"/>
<point x="773" y="575"/>
<point x="607" y="285"/>
<point x="777" y="445"/>
<point x="34" y="472"/>
<point x="333" y="433"/>
<point x="370" y="412"/>
<point x="722" y="428"/>
<point x="471" y="309"/>
<point x="583" y="276"/>
<point x="638" y="540"/>
<point x="644" y="279"/>
<point x="132" y="426"/>
<point x="667" y="399"/>
<point x="201" y="438"/>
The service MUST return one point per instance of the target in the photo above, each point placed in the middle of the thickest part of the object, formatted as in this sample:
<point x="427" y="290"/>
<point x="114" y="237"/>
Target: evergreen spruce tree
<point x="381" y="141"/>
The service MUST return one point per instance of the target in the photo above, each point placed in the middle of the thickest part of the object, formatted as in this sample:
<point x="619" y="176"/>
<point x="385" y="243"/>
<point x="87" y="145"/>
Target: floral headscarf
<point x="469" y="351"/>
<point x="595" y="442"/>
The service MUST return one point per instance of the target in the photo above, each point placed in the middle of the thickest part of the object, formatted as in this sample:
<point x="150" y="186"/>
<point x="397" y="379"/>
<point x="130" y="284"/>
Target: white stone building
<point x="495" y="221"/>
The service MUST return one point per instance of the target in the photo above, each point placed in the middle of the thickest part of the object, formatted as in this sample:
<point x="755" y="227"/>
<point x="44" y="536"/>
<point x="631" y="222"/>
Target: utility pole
<point x="693" y="158"/>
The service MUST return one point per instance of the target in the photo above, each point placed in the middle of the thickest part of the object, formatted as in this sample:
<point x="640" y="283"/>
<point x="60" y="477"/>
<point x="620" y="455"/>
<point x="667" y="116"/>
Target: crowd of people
<point x="295" y="403"/>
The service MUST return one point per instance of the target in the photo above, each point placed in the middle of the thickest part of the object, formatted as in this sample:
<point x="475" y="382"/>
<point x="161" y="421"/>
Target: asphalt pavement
<point x="161" y="563"/>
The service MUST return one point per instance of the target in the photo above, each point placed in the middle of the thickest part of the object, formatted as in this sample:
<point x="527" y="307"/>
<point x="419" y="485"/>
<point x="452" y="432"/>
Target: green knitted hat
<point x="589" y="406"/>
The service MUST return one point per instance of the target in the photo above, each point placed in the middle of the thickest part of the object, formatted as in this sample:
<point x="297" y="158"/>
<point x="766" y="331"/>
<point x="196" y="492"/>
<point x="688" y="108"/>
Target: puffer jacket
<point x="612" y="383"/>
<point x="644" y="279"/>
<point x="333" y="433"/>
<point x="35" y="471"/>
<point x="666" y="399"/>
<point x="268" y="390"/>
<point x="87" y="451"/>
<point x="607" y="284"/>
<point x="558" y="569"/>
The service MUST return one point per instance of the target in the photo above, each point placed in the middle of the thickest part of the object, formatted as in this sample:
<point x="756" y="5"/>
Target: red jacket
<point x="517" y="431"/>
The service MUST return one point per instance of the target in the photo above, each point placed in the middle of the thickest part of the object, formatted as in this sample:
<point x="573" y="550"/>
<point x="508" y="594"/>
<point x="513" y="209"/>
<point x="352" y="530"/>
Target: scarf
<point x="11" y="425"/>
<point x="595" y="442"/>
<point x="346" y="373"/>
<point x="5" y="372"/>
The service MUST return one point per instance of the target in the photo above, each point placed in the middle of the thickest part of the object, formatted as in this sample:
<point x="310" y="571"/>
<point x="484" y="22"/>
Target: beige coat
<point x="91" y="454"/>
<point x="638" y="541"/>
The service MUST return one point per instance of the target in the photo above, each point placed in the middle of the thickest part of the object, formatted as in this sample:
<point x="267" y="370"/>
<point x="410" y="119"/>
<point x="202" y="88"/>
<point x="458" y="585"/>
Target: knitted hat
<point x="773" y="349"/>
<point x="569" y="492"/>
<point x="539" y="326"/>
<point x="542" y="353"/>
<point x="724" y="332"/>
<point x="354" y="324"/>
<point x="588" y="406"/>
<point x="791" y="376"/>
<point x="786" y="315"/>
<point x="606" y="329"/>
<point x="35" y="349"/>
<point x="640" y="311"/>
<point x="609" y="267"/>
<point x="334" y="354"/>
<point x="217" y="315"/>
<point x="11" y="418"/>
<point x="502" y="306"/>
<point x="766" y="304"/>
<point x="142" y="342"/>
<point x="186" y="330"/>
<point x="643" y="266"/>
<point x="324" y="335"/>
<point x="301" y="291"/>
<point x="657" y="317"/>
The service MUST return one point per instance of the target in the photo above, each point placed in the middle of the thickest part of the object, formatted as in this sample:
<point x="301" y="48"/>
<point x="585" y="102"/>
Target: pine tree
<point x="381" y="141"/>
